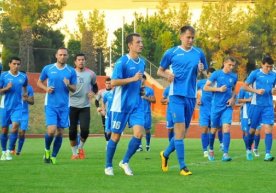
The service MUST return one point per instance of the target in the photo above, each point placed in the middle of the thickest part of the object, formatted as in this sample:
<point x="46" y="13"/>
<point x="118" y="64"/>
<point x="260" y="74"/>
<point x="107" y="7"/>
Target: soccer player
<point x="80" y="106"/>
<point x="106" y="106"/>
<point x="24" y="122"/>
<point x="204" y="101"/>
<point x="148" y="97"/>
<point x="11" y="84"/>
<point x="127" y="106"/>
<point x="184" y="61"/>
<point x="261" y="109"/>
<point x="99" y="96"/>
<point x="61" y="78"/>
<point x="169" y="121"/>
<point x="224" y="82"/>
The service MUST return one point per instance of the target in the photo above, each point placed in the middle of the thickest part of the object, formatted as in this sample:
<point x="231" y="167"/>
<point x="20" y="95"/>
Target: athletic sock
<point x="81" y="144"/>
<point x="179" y="147"/>
<point x="74" y="150"/>
<point x="256" y="141"/>
<point x="57" y="145"/>
<point x="226" y="142"/>
<point x="132" y="147"/>
<point x="13" y="138"/>
<point x="211" y="141"/>
<point x="204" y="141"/>
<point x="21" y="141"/>
<point x="110" y="151"/>
<point x="148" y="136"/>
<point x="170" y="134"/>
<point x="268" y="142"/>
<point x="4" y="140"/>
<point x="170" y="148"/>
<point x="220" y="136"/>
<point x="48" y="141"/>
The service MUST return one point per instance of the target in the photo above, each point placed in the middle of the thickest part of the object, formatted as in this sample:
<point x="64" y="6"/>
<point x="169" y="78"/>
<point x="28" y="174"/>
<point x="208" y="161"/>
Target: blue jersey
<point x="107" y="99"/>
<point x="243" y="94"/>
<point x="127" y="97"/>
<point x="219" y="78"/>
<point x="206" y="96"/>
<point x="147" y="104"/>
<point x="30" y="92"/>
<point x="12" y="99"/>
<point x="1" y="67"/>
<point x="55" y="76"/>
<point x="184" y="66"/>
<point x="260" y="80"/>
<point x="166" y="92"/>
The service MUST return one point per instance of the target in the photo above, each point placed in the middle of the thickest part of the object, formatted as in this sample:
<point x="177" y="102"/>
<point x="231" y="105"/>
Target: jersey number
<point x="116" y="124"/>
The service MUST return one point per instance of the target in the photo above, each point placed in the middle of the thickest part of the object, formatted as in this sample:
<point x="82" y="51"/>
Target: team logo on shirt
<point x="230" y="80"/>
<point x="53" y="72"/>
<point x="132" y="68"/>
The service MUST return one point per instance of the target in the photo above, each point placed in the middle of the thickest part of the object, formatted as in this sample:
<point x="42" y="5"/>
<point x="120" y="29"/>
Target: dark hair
<point x="187" y="28"/>
<point x="267" y="59"/>
<point x="144" y="77"/>
<point x="231" y="58"/>
<point x="79" y="54"/>
<point x="62" y="48"/>
<point x="129" y="37"/>
<point x="107" y="79"/>
<point x="211" y="70"/>
<point x="14" y="58"/>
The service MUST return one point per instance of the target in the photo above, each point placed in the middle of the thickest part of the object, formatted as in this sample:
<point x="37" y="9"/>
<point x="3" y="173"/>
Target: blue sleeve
<point x="26" y="81"/>
<point x="104" y="99"/>
<point x="203" y="60"/>
<point x="199" y="85"/>
<point x="151" y="93"/>
<point x="118" y="70"/>
<point x="166" y="59"/>
<point x="166" y="92"/>
<point x="30" y="91"/>
<point x="73" y="78"/>
<point x="1" y="81"/>
<point x="43" y="75"/>
<point x="241" y="94"/>
<point x="214" y="76"/>
<point x="251" y="78"/>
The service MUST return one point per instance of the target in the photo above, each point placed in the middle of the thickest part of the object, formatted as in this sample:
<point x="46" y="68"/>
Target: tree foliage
<point x="26" y="15"/>
<point x="93" y="39"/>
<point x="222" y="31"/>
<point x="262" y="26"/>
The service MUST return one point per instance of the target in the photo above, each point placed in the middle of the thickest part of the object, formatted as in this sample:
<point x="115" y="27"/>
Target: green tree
<point x="27" y="14"/>
<point x="93" y="39"/>
<point x="74" y="47"/>
<point x="262" y="19"/>
<point x="222" y="31"/>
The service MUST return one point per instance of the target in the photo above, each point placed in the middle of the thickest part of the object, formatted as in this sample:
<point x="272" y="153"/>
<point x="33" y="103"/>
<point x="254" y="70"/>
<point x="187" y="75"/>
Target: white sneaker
<point x="109" y="171"/>
<point x="256" y="153"/>
<point x="126" y="168"/>
<point x="3" y="156"/>
<point x="205" y="154"/>
<point x="8" y="155"/>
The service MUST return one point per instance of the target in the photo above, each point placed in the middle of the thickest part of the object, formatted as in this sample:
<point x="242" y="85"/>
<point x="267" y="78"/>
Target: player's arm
<point x="41" y="85"/>
<point x="121" y="82"/>
<point x="151" y="99"/>
<point x="198" y="98"/>
<point x="164" y="101"/>
<point x="208" y="87"/>
<point x="165" y="74"/>
<point x="5" y="89"/>
<point x="248" y="88"/>
<point x="232" y="100"/>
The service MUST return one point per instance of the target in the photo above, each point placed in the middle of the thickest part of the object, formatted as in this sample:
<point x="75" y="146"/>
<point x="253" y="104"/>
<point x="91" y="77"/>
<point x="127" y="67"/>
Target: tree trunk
<point x="89" y="51"/>
<point x="26" y="50"/>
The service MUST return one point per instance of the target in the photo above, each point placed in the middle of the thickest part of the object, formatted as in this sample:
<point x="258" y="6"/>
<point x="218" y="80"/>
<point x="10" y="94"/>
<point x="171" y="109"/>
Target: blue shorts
<point x="245" y="124"/>
<point x="147" y="124"/>
<point x="169" y="119"/>
<point x="108" y="123"/>
<point x="261" y="115"/>
<point x="182" y="109"/>
<point x="57" y="116"/>
<point x="10" y="116"/>
<point x="24" y="121"/>
<point x="204" y="117"/>
<point x="220" y="116"/>
<point x="120" y="119"/>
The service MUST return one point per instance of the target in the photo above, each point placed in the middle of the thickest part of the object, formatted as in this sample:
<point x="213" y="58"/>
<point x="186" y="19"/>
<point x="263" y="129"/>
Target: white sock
<point x="75" y="150"/>
<point x="81" y="144"/>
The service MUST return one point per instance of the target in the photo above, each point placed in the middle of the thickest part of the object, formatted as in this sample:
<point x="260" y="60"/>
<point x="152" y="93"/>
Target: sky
<point x="115" y="12"/>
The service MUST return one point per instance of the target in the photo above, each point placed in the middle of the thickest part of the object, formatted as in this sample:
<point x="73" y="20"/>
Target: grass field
<point x="28" y="174"/>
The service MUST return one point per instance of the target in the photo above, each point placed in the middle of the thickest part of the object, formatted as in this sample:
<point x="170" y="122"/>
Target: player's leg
<point x="169" y="124"/>
<point x="257" y="138"/>
<point x="73" y="132"/>
<point x="147" y="127"/>
<point x="226" y="124"/>
<point x="5" y="122"/>
<point x="118" y="123"/>
<point x="268" y="121"/>
<point x="84" y="118"/>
